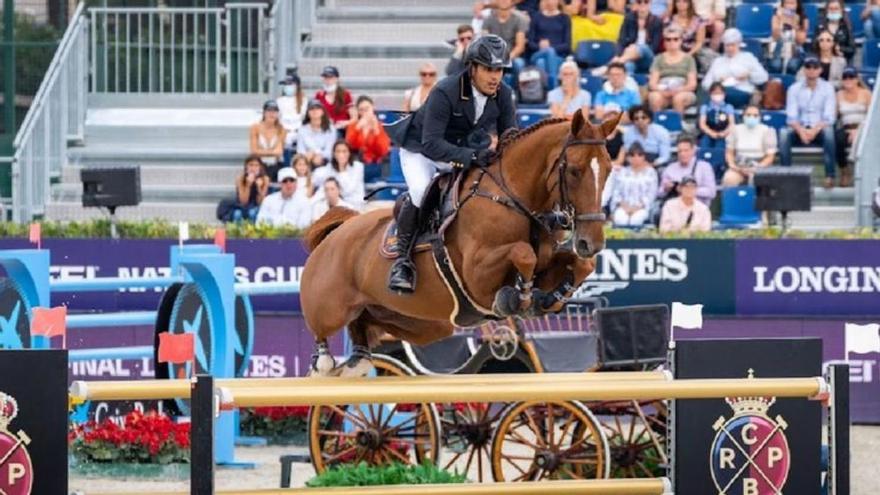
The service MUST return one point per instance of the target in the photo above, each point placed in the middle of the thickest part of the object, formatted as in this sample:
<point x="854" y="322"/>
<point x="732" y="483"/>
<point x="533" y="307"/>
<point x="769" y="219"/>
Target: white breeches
<point x="418" y="170"/>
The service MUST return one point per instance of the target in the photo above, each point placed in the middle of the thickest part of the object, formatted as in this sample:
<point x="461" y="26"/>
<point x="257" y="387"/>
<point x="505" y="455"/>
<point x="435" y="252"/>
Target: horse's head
<point x="581" y="171"/>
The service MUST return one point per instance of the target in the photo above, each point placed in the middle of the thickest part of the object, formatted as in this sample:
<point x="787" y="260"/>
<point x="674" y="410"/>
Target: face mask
<point x="717" y="98"/>
<point x="751" y="122"/>
<point x="329" y="88"/>
<point x="289" y="90"/>
<point x="834" y="16"/>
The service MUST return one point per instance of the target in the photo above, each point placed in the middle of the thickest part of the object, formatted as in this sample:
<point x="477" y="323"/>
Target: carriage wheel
<point x="374" y="433"/>
<point x="467" y="434"/>
<point x="549" y="440"/>
<point x="637" y="438"/>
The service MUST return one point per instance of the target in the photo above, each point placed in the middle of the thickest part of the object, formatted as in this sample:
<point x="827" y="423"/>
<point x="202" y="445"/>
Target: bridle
<point x="563" y="216"/>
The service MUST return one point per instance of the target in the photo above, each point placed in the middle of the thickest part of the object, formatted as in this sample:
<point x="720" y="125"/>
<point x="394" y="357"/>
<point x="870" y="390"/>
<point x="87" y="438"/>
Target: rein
<point x="562" y="217"/>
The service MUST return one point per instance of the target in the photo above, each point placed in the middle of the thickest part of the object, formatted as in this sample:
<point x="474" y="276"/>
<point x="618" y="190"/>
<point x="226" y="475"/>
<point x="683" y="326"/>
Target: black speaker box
<point x="632" y="338"/>
<point x="111" y="186"/>
<point x="783" y="189"/>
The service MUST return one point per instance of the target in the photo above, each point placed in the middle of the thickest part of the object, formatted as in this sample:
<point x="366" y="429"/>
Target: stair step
<point x="368" y="67"/>
<point x="377" y="50"/>
<point x="168" y="175"/>
<point x="824" y="218"/>
<point x="186" y="193"/>
<point x="439" y="14"/>
<point x="392" y="33"/>
<point x="346" y="4"/>
<point x="110" y="156"/>
<point x="172" y="212"/>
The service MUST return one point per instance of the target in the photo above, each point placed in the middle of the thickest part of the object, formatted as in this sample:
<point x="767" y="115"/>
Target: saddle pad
<point x="566" y="352"/>
<point x="388" y="246"/>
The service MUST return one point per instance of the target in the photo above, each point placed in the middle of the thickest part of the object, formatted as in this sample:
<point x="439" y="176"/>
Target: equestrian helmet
<point x="489" y="50"/>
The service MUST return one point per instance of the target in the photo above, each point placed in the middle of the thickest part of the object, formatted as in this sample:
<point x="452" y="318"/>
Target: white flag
<point x="687" y="315"/>
<point x="862" y="338"/>
<point x="183" y="231"/>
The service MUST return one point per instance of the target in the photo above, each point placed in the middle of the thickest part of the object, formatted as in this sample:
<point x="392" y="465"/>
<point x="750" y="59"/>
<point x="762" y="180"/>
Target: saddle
<point x="439" y="209"/>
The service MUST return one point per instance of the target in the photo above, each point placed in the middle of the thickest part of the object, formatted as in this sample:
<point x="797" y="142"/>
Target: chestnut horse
<point x="554" y="169"/>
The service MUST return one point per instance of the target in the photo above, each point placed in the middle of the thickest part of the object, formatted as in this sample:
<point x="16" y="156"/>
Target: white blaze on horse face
<point x="594" y="164"/>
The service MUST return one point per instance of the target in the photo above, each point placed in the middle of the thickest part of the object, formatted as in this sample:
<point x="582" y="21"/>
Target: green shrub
<point x="393" y="474"/>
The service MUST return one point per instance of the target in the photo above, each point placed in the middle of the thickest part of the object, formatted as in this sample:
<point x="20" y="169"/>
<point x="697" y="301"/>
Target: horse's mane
<point x="512" y="136"/>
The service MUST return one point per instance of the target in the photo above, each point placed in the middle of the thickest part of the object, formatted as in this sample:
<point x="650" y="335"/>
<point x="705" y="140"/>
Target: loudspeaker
<point x="111" y="186"/>
<point x="632" y="338"/>
<point x="783" y="189"/>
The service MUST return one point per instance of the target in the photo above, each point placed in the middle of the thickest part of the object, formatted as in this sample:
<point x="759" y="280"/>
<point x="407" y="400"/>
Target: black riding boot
<point x="403" y="272"/>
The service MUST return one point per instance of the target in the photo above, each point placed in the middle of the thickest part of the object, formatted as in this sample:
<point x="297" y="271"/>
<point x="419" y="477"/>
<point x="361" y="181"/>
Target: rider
<point x="451" y="130"/>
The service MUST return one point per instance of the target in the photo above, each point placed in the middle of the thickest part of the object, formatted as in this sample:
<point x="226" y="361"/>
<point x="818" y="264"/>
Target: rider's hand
<point x="482" y="158"/>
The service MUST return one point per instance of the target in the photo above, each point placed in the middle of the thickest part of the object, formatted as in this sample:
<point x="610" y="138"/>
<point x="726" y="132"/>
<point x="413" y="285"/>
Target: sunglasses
<point x="671" y="39"/>
<point x="285" y="181"/>
<point x="427" y="74"/>
<point x="812" y="66"/>
<point x="850" y="76"/>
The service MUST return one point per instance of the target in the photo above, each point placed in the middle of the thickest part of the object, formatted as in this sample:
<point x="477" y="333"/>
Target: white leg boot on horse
<point x="323" y="362"/>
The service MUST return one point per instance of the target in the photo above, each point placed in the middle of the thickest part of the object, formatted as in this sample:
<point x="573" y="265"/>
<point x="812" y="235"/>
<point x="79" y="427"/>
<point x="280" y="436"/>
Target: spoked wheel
<point x="636" y="434"/>
<point x="467" y="430"/>
<point x="374" y="433"/>
<point x="549" y="440"/>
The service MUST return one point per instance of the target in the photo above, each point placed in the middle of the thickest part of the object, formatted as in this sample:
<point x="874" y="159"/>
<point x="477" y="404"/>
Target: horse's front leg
<point x="495" y="267"/>
<point x="566" y="278"/>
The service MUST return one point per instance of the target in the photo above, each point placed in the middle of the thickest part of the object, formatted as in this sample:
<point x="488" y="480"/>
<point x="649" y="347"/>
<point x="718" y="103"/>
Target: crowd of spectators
<point x="702" y="106"/>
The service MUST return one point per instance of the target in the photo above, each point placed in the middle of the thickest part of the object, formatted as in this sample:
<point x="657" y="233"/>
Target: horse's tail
<point x="327" y="223"/>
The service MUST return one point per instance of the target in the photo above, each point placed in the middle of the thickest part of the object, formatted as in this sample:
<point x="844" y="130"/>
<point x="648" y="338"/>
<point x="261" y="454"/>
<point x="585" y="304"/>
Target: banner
<point x="807" y="277"/>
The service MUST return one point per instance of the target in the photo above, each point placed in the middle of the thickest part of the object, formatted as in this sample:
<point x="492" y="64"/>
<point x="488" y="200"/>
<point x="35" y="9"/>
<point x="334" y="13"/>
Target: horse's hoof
<point x="507" y="302"/>
<point x="360" y="368"/>
<point x="323" y="365"/>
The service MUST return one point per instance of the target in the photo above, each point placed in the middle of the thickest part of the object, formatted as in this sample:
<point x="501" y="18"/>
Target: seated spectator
<point x="687" y="165"/>
<point x="285" y="207"/>
<point x="673" y="79"/>
<point x="641" y="38"/>
<point x="634" y="190"/>
<point x="251" y="188"/>
<point x="811" y="109"/>
<point x="853" y="101"/>
<point x="829" y="57"/>
<point x="349" y="173"/>
<point x="331" y="198"/>
<point x="617" y="92"/>
<point x="367" y="136"/>
<point x="751" y="145"/>
<point x="614" y="141"/>
<point x="716" y="119"/>
<point x="456" y="64"/>
<point x="683" y="16"/>
<point x="267" y="138"/>
<point x="316" y="136"/>
<point x="789" y="28"/>
<point x="739" y="71"/>
<point x="595" y="19"/>
<point x="837" y="24"/>
<point x="549" y="39"/>
<point x="684" y="213"/>
<point x="292" y="106"/>
<point x="871" y="19"/>
<point x="654" y="138"/>
<point x="303" y="169"/>
<point x="566" y="99"/>
<point x="414" y="98"/>
<point x="512" y="26"/>
<point x="335" y="99"/>
<point x="713" y="13"/>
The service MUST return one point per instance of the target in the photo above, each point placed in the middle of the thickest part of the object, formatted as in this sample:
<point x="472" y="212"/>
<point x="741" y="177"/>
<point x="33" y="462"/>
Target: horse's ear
<point x="577" y="122"/>
<point x="608" y="125"/>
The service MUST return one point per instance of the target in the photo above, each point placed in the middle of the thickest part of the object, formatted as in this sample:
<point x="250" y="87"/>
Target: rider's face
<point x="487" y="80"/>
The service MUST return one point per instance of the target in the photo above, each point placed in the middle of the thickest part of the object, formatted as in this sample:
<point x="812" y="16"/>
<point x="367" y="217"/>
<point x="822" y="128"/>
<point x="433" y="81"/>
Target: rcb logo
<point x="750" y="453"/>
<point x="16" y="471"/>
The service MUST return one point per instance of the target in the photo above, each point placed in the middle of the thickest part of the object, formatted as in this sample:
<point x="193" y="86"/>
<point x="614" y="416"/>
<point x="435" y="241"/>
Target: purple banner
<point x="805" y="277"/>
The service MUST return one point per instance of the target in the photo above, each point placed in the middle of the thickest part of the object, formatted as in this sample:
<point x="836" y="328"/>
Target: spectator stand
<point x="738" y="209"/>
<point x="594" y="53"/>
<point x="753" y="20"/>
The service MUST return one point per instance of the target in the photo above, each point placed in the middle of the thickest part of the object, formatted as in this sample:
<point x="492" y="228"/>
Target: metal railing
<point x="867" y="173"/>
<point x="57" y="115"/>
<point x="180" y="50"/>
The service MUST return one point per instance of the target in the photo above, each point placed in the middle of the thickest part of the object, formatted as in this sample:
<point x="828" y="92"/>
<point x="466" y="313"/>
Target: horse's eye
<point x="575" y="173"/>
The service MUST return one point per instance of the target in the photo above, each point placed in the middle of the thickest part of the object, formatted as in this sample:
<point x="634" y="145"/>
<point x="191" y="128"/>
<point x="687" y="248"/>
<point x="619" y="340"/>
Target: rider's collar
<point x="466" y="87"/>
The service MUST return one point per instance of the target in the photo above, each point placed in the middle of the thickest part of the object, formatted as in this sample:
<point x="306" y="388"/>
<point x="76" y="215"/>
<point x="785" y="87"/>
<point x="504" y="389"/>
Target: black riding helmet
<point x="489" y="50"/>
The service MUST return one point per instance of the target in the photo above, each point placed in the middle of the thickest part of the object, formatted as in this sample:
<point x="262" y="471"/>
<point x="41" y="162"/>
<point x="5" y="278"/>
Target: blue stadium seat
<point x="528" y="117"/>
<point x="669" y="119"/>
<point x="871" y="55"/>
<point x="753" y="20"/>
<point x="774" y="118"/>
<point x="738" y="207"/>
<point x="593" y="84"/>
<point x="716" y="158"/>
<point x="755" y="47"/>
<point x="870" y="78"/>
<point x="787" y="79"/>
<point x="811" y="10"/>
<point x="855" y="20"/>
<point x="641" y="79"/>
<point x="389" y="116"/>
<point x="594" y="53"/>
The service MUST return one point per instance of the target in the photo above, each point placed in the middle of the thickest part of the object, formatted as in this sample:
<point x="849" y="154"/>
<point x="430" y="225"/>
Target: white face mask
<point x="329" y="88"/>
<point x="289" y="90"/>
<point x="717" y="98"/>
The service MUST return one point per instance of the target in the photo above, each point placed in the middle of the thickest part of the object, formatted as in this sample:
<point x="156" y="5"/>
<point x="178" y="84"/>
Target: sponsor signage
<point x="807" y="277"/>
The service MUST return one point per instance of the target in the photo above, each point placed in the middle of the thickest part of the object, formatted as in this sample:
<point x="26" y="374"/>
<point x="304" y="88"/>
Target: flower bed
<point x="278" y="425"/>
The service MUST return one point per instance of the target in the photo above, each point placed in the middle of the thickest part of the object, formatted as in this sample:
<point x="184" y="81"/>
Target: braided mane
<point x="513" y="135"/>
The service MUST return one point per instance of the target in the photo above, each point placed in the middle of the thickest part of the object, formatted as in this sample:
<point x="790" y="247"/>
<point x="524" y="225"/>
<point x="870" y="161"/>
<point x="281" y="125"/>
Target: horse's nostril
<point x="583" y="246"/>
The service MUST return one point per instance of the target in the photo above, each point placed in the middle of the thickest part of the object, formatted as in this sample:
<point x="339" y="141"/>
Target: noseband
<point x="564" y="216"/>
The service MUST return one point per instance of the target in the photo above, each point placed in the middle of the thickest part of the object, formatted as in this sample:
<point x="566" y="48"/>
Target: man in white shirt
<point x="284" y="207"/>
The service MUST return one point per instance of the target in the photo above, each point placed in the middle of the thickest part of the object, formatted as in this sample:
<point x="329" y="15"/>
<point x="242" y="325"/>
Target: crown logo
<point x="8" y="410"/>
<point x="750" y="405"/>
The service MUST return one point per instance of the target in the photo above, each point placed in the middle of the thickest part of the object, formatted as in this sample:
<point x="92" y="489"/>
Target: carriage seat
<point x="566" y="351"/>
